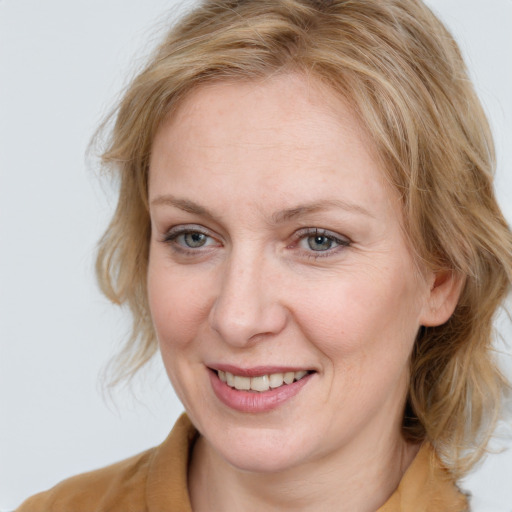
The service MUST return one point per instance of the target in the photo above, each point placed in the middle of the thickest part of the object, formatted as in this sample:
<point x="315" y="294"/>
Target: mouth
<point x="257" y="389"/>
<point x="261" y="383"/>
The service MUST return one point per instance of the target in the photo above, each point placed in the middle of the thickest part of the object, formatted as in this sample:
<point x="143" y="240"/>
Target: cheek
<point x="179" y="302"/>
<point x="366" y="330"/>
<point x="178" y="310"/>
<point x="356" y="319"/>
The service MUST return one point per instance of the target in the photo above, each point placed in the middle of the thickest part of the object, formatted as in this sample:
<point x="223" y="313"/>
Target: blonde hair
<point x="403" y="74"/>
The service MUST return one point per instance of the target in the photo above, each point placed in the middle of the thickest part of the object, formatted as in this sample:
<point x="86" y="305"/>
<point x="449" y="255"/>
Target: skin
<point x="242" y="163"/>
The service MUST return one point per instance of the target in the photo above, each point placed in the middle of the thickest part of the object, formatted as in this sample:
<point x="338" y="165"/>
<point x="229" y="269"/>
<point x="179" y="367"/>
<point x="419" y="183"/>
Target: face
<point x="278" y="264"/>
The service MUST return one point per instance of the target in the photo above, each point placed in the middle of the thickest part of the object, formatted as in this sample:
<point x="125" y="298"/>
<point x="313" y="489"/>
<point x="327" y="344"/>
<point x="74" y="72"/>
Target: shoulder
<point x="426" y="486"/>
<point x="119" y="487"/>
<point x="151" y="481"/>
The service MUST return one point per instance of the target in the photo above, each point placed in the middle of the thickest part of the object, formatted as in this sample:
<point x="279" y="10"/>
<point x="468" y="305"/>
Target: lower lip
<point x="254" y="401"/>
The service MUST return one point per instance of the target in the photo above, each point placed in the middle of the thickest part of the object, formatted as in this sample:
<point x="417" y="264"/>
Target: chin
<point x="262" y="451"/>
<point x="261" y="463"/>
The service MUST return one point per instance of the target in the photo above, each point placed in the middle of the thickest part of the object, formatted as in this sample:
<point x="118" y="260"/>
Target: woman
<point x="306" y="227"/>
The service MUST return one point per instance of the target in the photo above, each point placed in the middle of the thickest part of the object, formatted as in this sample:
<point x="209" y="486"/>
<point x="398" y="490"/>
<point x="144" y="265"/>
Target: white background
<point x="62" y="63"/>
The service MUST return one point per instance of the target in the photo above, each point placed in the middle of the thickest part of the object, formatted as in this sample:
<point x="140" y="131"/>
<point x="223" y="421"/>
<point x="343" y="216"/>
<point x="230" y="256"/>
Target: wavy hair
<point x="403" y="74"/>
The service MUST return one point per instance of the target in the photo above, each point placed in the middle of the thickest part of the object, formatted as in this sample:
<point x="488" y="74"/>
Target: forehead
<point x="281" y="132"/>
<point x="285" y="105"/>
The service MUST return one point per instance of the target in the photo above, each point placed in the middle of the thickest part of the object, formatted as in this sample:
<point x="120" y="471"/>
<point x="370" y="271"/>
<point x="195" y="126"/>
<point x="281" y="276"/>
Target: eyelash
<point x="172" y="236"/>
<point x="304" y="234"/>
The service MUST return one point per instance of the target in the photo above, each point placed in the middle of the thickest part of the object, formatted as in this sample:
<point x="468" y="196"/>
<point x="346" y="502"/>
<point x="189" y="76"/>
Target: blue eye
<point x="188" y="239"/>
<point x="320" y="243"/>
<point x="193" y="239"/>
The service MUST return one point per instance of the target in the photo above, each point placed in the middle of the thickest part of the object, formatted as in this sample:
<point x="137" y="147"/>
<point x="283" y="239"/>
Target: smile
<point x="257" y="389"/>
<point x="260" y="383"/>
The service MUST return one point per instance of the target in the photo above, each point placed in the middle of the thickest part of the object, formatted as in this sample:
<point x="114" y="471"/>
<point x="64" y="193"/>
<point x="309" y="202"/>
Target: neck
<point x="358" y="478"/>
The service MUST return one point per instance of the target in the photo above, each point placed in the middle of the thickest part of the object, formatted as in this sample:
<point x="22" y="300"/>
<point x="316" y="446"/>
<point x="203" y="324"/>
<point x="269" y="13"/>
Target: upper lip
<point x="256" y="371"/>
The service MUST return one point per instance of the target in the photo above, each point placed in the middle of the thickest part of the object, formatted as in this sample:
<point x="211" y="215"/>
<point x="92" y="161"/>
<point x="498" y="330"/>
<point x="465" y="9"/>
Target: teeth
<point x="288" y="377"/>
<point x="262" y="382"/>
<point x="242" y="383"/>
<point x="276" y="380"/>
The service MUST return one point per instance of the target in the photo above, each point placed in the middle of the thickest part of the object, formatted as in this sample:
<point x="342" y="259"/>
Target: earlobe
<point x="444" y="294"/>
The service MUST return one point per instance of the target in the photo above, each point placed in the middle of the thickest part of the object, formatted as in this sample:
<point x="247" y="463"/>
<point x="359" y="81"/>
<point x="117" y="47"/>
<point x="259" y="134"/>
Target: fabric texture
<point x="156" y="481"/>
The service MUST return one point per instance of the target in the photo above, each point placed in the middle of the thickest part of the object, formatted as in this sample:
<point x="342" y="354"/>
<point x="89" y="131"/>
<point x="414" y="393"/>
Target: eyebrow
<point x="182" y="204"/>
<point x="318" y="206"/>
<point x="276" y="218"/>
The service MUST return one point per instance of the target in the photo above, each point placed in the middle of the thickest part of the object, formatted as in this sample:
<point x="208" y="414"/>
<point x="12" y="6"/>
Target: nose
<point x="247" y="307"/>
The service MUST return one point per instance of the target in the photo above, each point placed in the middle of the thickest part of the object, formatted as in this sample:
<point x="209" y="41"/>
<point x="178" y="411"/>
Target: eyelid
<point x="170" y="237"/>
<point x="181" y="229"/>
<point x="341" y="241"/>
<point x="305" y="232"/>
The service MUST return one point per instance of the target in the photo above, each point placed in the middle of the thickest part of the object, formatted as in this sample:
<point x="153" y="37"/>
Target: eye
<point x="193" y="239"/>
<point x="320" y="241"/>
<point x="188" y="238"/>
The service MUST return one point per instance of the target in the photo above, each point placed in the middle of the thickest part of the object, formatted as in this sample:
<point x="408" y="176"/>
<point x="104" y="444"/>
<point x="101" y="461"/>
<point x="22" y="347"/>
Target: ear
<point x="446" y="287"/>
